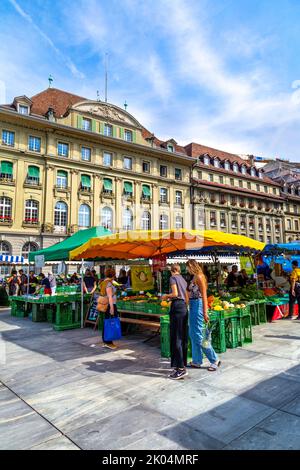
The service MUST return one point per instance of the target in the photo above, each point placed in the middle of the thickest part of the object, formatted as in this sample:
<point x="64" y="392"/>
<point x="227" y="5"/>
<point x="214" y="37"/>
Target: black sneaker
<point x="178" y="374"/>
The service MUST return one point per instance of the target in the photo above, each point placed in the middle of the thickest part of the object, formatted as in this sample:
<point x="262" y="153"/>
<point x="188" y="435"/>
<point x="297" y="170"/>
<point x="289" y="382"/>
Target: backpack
<point x="102" y="299"/>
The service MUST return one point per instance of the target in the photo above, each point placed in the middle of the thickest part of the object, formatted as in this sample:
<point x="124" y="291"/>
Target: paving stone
<point x="274" y="391"/>
<point x="236" y="380"/>
<point x="120" y="430"/>
<point x="176" y="437"/>
<point x="293" y="407"/>
<point x="21" y="428"/>
<point x="281" y="431"/>
<point x="269" y="365"/>
<point x="59" y="443"/>
<point x="230" y="419"/>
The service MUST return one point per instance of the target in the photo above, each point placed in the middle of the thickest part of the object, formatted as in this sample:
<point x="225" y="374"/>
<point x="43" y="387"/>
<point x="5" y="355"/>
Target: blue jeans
<point x="196" y="324"/>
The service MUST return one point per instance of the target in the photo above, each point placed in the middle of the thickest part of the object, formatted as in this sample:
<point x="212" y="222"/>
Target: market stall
<point x="232" y="320"/>
<point x="276" y="265"/>
<point x="12" y="262"/>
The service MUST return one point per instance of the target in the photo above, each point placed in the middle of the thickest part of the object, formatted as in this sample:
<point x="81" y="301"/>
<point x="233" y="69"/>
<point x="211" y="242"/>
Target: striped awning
<point x="11" y="259"/>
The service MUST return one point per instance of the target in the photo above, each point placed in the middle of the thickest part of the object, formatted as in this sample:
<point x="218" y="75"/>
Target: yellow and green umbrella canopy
<point x="150" y="243"/>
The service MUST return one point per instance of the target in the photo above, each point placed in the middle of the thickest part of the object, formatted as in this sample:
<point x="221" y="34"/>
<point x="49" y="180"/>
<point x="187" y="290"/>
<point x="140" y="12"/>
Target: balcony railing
<point x="32" y="221"/>
<point x="6" y="220"/>
<point x="32" y="181"/>
<point x="6" y="178"/>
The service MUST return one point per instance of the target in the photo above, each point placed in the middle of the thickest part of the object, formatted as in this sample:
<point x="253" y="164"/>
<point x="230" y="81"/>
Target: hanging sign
<point x="246" y="264"/>
<point x="159" y="263"/>
<point x="39" y="261"/>
<point x="141" y="278"/>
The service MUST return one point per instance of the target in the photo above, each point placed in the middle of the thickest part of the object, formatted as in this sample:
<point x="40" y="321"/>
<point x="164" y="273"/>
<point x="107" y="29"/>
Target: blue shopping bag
<point x="112" y="329"/>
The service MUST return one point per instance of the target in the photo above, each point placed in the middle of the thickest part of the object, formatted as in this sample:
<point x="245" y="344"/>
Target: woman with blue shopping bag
<point x="107" y="305"/>
<point x="198" y="306"/>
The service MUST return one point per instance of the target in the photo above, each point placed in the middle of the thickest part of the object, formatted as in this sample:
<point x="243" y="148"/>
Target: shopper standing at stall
<point x="178" y="323"/>
<point x="46" y="284"/>
<point x="107" y="289"/>
<point x="232" y="280"/>
<point x="198" y="316"/>
<point x="295" y="290"/>
<point x="13" y="283"/>
<point x="23" y="281"/>
<point x="32" y="283"/>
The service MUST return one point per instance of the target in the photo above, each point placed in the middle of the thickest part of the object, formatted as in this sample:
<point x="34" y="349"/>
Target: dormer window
<point x="235" y="167"/>
<point x="128" y="136"/>
<point x="206" y="159"/>
<point x="253" y="171"/>
<point x="244" y="170"/>
<point x="260" y="174"/>
<point x="227" y="165"/>
<point x="86" y="124"/>
<point x="23" y="109"/>
<point x="170" y="148"/>
<point x="217" y="163"/>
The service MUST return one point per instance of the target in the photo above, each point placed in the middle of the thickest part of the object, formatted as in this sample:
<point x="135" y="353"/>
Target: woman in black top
<point x="178" y="323"/>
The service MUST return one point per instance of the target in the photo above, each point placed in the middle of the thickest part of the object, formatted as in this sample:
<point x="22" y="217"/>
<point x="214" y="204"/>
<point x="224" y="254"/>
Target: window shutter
<point x="101" y="128"/>
<point x="134" y="136"/>
<point x="86" y="181"/>
<point x="107" y="183"/>
<point x="62" y="173"/>
<point x="7" y="168"/>
<point x="33" y="172"/>
<point x="128" y="187"/>
<point x="79" y="121"/>
<point x="121" y="130"/>
<point x="146" y="190"/>
<point x="94" y="125"/>
<point x="114" y="131"/>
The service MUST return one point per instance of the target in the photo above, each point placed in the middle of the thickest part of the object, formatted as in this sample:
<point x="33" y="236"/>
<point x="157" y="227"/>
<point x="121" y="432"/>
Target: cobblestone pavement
<point x="62" y="390"/>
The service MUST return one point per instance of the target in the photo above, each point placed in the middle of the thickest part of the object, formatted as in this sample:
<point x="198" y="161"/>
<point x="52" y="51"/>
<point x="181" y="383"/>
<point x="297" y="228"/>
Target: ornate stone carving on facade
<point x="107" y="112"/>
<point x="47" y="228"/>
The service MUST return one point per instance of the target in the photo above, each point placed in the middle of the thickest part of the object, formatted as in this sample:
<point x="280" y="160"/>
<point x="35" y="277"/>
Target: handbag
<point x="112" y="329"/>
<point x="102" y="299"/>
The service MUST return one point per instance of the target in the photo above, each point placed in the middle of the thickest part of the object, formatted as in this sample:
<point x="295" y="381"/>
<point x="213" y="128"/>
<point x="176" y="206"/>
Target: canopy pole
<point x="81" y="310"/>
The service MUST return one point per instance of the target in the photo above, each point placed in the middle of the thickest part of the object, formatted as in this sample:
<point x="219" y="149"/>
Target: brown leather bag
<point x="102" y="299"/>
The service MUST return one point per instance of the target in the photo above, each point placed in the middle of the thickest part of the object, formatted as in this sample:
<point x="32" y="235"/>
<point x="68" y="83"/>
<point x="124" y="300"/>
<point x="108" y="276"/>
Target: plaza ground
<point x="62" y="390"/>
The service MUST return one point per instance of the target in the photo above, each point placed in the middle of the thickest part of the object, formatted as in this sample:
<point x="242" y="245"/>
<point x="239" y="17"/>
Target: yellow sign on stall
<point x="246" y="264"/>
<point x="141" y="278"/>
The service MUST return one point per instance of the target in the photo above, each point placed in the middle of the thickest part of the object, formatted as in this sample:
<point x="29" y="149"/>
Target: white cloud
<point x="68" y="62"/>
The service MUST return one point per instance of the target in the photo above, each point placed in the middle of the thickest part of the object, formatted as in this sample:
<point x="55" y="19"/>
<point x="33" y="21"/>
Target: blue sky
<point x="223" y="73"/>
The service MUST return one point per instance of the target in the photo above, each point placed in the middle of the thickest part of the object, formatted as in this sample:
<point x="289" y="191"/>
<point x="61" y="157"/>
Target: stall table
<point x="62" y="310"/>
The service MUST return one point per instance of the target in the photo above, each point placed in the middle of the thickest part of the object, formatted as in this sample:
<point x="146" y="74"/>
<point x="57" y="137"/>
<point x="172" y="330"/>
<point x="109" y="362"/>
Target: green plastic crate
<point x="39" y="314"/>
<point x="245" y="329"/>
<point x="218" y="336"/>
<point x="262" y="312"/>
<point x="232" y="333"/>
<point x="165" y="348"/>
<point x="152" y="308"/>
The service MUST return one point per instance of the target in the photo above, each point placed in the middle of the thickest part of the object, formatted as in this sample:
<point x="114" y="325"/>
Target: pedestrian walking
<point x="198" y="306"/>
<point x="178" y="323"/>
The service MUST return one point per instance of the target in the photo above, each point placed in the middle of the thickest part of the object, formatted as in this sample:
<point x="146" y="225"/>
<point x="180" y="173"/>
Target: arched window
<point x="5" y="248"/>
<point x="60" y="214"/>
<point x="5" y="209"/>
<point x="84" y="216"/>
<point x="206" y="159"/>
<point x="253" y="171"/>
<point x="107" y="217"/>
<point x="31" y="211"/>
<point x="62" y="179"/>
<point x="163" y="222"/>
<point x="216" y="162"/>
<point x="33" y="175"/>
<point x="243" y="169"/>
<point x="28" y="247"/>
<point x="146" y="221"/>
<point x="6" y="170"/>
<point x="179" y="221"/>
<point x="127" y="219"/>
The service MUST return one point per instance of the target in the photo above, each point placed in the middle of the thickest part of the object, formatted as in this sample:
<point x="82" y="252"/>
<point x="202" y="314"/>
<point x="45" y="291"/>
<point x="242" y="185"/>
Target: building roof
<point x="195" y="150"/>
<point x="54" y="98"/>
<point x="163" y="144"/>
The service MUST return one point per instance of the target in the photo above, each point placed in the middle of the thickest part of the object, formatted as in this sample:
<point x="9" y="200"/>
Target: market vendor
<point x="74" y="279"/>
<point x="232" y="280"/>
<point x="243" y="278"/>
<point x="89" y="282"/>
<point x="123" y="278"/>
<point x="33" y="281"/>
<point x="295" y="290"/>
<point x="46" y="284"/>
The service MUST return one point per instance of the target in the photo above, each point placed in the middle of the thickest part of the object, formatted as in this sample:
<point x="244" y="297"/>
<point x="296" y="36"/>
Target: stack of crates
<point x="254" y="312"/>
<point x="218" y="333"/>
<point x="39" y="313"/>
<point x="165" y="336"/>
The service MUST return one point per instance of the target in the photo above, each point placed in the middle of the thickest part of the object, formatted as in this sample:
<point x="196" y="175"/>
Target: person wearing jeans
<point x="198" y="317"/>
